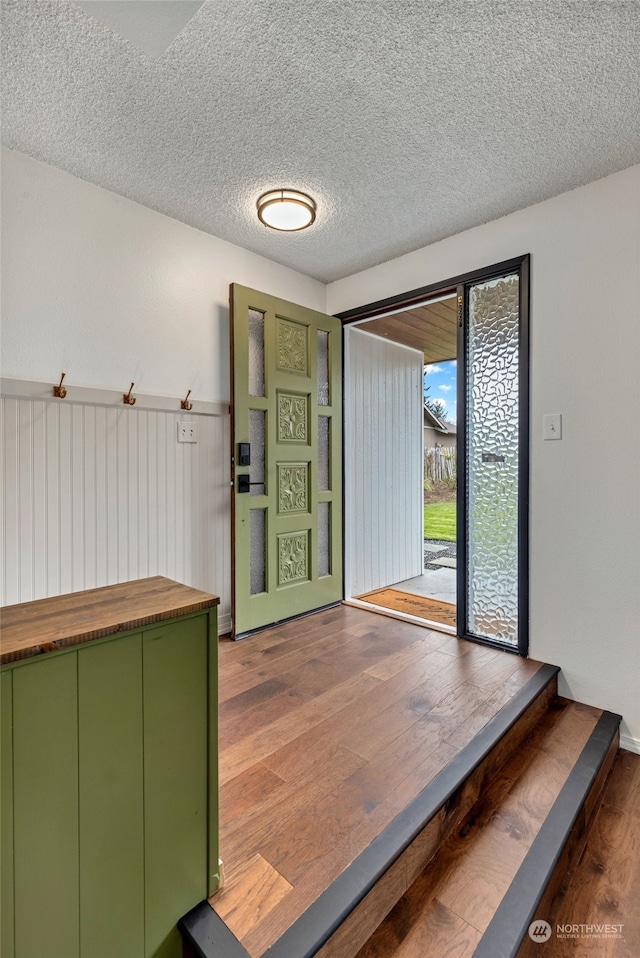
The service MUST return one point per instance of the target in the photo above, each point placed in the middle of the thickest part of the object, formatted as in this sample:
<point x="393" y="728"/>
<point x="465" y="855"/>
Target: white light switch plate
<point x="552" y="425"/>
<point x="187" y="432"/>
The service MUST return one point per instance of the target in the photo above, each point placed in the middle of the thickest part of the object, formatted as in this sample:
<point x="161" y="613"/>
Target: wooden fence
<point x="440" y="464"/>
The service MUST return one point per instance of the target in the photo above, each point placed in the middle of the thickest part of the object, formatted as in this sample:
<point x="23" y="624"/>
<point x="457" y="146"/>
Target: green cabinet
<point x="109" y="792"/>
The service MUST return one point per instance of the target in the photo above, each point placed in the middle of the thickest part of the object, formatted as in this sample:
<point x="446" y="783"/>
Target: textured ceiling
<point x="407" y="121"/>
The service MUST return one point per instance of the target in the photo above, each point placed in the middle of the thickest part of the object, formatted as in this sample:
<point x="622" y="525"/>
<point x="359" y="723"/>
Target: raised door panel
<point x="111" y="799"/>
<point x="45" y="765"/>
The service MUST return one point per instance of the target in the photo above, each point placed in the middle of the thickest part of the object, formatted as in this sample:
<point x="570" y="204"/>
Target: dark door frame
<point x="458" y="286"/>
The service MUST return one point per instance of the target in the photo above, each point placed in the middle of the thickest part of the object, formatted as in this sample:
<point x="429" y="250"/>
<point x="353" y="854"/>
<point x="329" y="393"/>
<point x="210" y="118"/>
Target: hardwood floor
<point x="456" y="896"/>
<point x="329" y="726"/>
<point x="605" y="888"/>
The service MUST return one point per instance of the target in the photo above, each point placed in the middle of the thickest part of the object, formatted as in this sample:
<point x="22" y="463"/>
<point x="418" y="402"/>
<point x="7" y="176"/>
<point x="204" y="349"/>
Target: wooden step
<point x="604" y="889"/>
<point x="500" y="869"/>
<point x="347" y="913"/>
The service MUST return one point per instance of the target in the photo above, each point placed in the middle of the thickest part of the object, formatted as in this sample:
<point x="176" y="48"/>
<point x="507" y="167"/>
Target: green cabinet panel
<point x="213" y="878"/>
<point x="109" y="817"/>
<point x="6" y="816"/>
<point x="176" y="667"/>
<point x="111" y="799"/>
<point x="45" y="768"/>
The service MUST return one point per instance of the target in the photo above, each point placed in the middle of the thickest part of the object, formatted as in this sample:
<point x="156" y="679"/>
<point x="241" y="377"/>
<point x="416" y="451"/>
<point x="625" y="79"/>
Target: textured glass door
<point x="287" y="449"/>
<point x="492" y="584"/>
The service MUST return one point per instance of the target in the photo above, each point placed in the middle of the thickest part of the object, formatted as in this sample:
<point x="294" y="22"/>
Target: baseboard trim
<point x="629" y="743"/>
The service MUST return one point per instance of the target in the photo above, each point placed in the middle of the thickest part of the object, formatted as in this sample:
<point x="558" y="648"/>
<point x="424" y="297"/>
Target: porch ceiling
<point x="431" y="328"/>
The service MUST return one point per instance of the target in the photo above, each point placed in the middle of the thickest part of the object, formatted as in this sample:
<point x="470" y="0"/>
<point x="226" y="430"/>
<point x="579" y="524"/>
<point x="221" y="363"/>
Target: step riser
<point x="363" y="921"/>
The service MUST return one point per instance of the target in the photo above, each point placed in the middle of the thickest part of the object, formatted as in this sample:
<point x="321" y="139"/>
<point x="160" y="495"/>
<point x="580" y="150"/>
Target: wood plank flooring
<point x="329" y="726"/>
<point x="456" y="896"/>
<point x="605" y="888"/>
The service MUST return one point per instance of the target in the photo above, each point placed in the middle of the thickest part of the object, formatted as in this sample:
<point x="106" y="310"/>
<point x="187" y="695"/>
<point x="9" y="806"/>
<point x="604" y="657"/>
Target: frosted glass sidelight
<point x="257" y="418"/>
<point x="323" y="367"/>
<point x="324" y="538"/>
<point x="257" y="565"/>
<point x="256" y="353"/>
<point x="492" y="459"/>
<point x="323" y="454"/>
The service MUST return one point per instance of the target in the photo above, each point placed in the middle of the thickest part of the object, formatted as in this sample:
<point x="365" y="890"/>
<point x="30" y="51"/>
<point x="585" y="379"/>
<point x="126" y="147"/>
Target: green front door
<point x="287" y="459"/>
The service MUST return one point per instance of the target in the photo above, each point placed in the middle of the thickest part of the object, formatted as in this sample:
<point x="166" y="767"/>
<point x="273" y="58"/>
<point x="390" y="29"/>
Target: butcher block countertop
<point x="45" y="625"/>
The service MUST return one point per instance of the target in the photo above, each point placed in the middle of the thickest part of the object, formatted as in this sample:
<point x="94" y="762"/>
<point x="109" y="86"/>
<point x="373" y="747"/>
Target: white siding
<point x="383" y="462"/>
<point x="94" y="495"/>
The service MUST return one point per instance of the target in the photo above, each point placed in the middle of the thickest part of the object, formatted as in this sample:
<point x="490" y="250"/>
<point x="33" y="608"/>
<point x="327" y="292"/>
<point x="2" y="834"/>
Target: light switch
<point x="187" y="432"/>
<point x="552" y="425"/>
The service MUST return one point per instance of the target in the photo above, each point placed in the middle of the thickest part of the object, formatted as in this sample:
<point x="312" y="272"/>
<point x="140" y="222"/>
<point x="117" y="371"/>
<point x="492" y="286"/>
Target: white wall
<point x="383" y="462"/>
<point x="109" y="292"/>
<point x="585" y="364"/>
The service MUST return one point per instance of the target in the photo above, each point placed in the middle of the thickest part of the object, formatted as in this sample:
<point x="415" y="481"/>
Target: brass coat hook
<point x="128" y="398"/>
<point x="184" y="403"/>
<point x="60" y="391"/>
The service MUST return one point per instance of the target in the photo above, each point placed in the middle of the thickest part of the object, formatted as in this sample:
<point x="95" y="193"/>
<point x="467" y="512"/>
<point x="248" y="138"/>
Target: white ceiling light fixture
<point x="287" y="210"/>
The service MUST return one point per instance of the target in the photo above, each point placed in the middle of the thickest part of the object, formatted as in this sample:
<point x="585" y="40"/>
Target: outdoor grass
<point x="440" y="521"/>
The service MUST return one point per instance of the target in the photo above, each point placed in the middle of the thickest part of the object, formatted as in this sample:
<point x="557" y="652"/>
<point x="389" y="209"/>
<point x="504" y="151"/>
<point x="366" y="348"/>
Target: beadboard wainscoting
<point x="96" y="493"/>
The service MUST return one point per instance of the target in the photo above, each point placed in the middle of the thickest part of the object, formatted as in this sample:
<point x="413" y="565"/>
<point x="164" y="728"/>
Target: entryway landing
<point x="391" y="790"/>
<point x="329" y="727"/>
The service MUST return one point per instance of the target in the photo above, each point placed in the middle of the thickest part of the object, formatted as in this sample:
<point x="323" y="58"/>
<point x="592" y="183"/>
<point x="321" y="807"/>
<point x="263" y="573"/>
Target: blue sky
<point x="440" y="379"/>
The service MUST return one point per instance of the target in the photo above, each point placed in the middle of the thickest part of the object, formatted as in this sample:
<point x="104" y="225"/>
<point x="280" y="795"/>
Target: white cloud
<point x="432" y="369"/>
<point x="441" y="402"/>
<point x="445" y="389"/>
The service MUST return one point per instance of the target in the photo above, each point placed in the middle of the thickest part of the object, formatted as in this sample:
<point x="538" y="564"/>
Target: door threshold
<point x="403" y="616"/>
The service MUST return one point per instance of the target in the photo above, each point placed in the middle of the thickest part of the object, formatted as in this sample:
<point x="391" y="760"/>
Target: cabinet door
<point x="175" y="668"/>
<point x="111" y="799"/>
<point x="6" y="809"/>
<point x="45" y="769"/>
